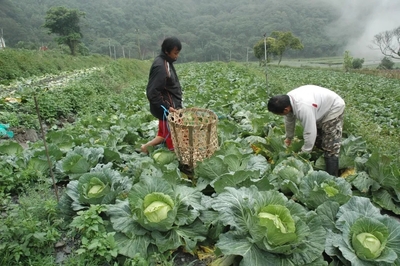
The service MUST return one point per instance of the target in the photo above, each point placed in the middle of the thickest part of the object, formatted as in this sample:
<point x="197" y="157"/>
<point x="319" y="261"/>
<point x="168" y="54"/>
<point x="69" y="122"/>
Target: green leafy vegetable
<point x="96" y="188"/>
<point x="164" y="156"/>
<point x="79" y="161"/>
<point x="288" y="174"/>
<point x="156" y="206"/>
<point x="266" y="226"/>
<point x="363" y="236"/>
<point x="101" y="186"/>
<point x="279" y="223"/>
<point x="158" y="215"/>
<point x="318" y="187"/>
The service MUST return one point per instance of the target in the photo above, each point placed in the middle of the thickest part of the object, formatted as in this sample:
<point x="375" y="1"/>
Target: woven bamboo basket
<point x="194" y="134"/>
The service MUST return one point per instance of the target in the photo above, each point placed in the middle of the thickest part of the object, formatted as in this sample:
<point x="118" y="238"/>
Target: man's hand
<point x="288" y="142"/>
<point x="171" y="109"/>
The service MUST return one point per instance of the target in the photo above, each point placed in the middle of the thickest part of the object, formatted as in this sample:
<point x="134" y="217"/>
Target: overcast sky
<point x="371" y="17"/>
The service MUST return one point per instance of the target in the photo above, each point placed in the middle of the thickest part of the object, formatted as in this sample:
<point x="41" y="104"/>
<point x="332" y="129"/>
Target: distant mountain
<point x="209" y="29"/>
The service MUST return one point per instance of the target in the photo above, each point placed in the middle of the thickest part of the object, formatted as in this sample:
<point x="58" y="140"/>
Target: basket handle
<point x="165" y="109"/>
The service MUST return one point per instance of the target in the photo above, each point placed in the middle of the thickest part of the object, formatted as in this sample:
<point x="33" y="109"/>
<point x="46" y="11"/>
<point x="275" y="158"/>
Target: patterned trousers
<point x="329" y="136"/>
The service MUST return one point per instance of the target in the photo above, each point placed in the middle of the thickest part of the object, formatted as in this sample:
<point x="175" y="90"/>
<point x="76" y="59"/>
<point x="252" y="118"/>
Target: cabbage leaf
<point x="165" y="215"/>
<point x="101" y="186"/>
<point x="318" y="187"/>
<point x="363" y="236"/>
<point x="266" y="226"/>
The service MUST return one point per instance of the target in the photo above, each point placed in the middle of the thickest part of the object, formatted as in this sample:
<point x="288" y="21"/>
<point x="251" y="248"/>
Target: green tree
<point x="65" y="23"/>
<point x="260" y="48"/>
<point x="284" y="41"/>
<point x="386" y="63"/>
<point x="357" y="63"/>
<point x="351" y="63"/>
<point x="347" y="61"/>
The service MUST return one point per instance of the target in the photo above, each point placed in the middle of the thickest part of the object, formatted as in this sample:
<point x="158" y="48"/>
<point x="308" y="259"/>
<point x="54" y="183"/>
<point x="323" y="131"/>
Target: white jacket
<point x="311" y="105"/>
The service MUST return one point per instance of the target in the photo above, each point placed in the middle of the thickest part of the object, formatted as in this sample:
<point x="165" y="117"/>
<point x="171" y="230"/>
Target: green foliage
<point x="386" y="63"/>
<point x="26" y="45"/>
<point x="351" y="63"/>
<point x="362" y="235"/>
<point x="164" y="156"/>
<point x="78" y="162"/>
<point x="289" y="172"/>
<point x="285" y="41"/>
<point x="261" y="47"/>
<point x="319" y="187"/>
<point x="165" y="216"/>
<point x="20" y="168"/>
<point x="71" y="98"/>
<point x="357" y="63"/>
<point x="266" y="226"/>
<point x="207" y="33"/>
<point x="347" y="61"/>
<point x="29" y="229"/>
<point x="17" y="64"/>
<point x="233" y="166"/>
<point x="65" y="23"/>
<point x="277" y="44"/>
<point x="147" y="226"/>
<point x="96" y="243"/>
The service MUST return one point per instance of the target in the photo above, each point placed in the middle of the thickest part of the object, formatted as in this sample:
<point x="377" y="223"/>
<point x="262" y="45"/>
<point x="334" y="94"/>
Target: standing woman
<point x="164" y="91"/>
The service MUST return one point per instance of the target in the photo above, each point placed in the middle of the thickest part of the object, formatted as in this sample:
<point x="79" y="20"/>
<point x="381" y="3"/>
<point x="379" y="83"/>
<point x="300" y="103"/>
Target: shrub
<point x="347" y="61"/>
<point x="358" y="63"/>
<point x="386" y="63"/>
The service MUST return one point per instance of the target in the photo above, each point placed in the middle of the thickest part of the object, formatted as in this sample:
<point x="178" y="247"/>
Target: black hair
<point x="278" y="103"/>
<point x="170" y="43"/>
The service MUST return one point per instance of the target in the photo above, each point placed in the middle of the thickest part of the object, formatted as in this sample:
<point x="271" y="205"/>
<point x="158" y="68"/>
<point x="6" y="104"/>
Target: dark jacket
<point x="163" y="87"/>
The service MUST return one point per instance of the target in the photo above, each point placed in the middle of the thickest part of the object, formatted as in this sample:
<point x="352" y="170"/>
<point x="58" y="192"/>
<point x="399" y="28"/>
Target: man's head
<point x="280" y="104"/>
<point x="171" y="46"/>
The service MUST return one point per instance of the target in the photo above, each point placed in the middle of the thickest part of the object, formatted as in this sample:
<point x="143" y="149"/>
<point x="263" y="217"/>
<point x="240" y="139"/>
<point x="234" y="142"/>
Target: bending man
<point x="320" y="112"/>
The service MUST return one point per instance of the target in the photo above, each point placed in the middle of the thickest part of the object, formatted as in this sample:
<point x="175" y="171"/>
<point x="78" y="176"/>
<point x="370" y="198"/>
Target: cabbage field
<point x="84" y="196"/>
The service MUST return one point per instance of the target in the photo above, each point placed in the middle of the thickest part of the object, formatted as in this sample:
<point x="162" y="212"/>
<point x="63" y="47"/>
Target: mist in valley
<point x="360" y="21"/>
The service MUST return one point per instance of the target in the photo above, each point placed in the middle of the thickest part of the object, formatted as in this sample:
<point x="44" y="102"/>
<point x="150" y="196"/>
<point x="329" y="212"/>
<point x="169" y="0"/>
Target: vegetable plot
<point x="362" y="235"/>
<point x="268" y="229"/>
<point x="253" y="202"/>
<point x="158" y="216"/>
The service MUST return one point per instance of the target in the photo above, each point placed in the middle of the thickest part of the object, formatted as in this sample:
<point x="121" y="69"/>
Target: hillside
<point x="210" y="30"/>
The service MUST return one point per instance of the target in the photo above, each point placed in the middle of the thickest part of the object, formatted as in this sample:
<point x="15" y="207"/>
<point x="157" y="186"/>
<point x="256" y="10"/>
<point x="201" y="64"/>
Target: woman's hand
<point x="171" y="109"/>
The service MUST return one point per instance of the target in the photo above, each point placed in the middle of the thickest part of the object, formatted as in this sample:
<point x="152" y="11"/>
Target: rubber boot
<point x="332" y="165"/>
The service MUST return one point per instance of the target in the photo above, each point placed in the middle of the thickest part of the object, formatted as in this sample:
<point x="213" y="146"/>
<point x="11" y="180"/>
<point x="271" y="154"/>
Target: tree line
<point x="209" y="30"/>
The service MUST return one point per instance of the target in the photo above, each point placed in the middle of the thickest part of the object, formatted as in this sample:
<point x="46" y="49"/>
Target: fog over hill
<point x="362" y="19"/>
<point x="210" y="30"/>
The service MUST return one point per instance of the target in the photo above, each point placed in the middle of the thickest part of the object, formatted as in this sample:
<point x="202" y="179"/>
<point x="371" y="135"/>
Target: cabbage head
<point x="289" y="173"/>
<point x="158" y="216"/>
<point x="156" y="206"/>
<point x="101" y="186"/>
<point x="266" y="228"/>
<point x="95" y="188"/>
<point x="280" y="226"/>
<point x="361" y="235"/>
<point x="164" y="156"/>
<point x="369" y="238"/>
<point x="318" y="187"/>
